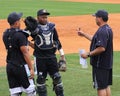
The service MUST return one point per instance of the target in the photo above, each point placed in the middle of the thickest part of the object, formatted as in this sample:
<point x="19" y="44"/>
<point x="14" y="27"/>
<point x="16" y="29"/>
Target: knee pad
<point x="57" y="83"/>
<point x="41" y="86"/>
<point x="40" y="79"/>
<point x="56" y="78"/>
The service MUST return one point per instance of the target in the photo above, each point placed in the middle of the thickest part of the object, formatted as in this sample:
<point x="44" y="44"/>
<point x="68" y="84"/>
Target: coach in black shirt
<point x="101" y="54"/>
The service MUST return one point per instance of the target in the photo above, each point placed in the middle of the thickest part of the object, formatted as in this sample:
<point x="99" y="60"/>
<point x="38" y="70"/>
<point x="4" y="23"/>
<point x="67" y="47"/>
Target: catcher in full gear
<point x="46" y="42"/>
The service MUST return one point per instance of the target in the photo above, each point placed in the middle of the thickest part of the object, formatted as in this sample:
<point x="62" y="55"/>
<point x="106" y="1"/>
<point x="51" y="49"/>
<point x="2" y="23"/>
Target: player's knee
<point x="40" y="79"/>
<point x="56" y="78"/>
<point x="41" y="86"/>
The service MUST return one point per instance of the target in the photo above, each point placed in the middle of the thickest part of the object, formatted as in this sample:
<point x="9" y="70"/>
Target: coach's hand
<point x="85" y="55"/>
<point x="80" y="32"/>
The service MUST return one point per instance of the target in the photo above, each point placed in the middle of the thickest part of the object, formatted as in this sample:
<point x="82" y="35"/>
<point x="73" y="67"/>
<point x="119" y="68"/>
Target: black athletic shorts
<point x="102" y="78"/>
<point x="47" y="65"/>
<point x="18" y="78"/>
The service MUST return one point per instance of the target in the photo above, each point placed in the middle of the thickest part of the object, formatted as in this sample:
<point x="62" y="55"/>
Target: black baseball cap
<point x="101" y="13"/>
<point x="42" y="12"/>
<point x="13" y="17"/>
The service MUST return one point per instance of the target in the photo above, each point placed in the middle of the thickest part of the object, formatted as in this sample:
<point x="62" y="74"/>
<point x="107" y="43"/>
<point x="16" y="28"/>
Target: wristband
<point x="88" y="54"/>
<point x="61" y="52"/>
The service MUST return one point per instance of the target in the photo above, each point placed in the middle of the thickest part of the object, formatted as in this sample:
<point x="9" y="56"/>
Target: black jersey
<point x="47" y="41"/>
<point x="13" y="40"/>
<point x="104" y="38"/>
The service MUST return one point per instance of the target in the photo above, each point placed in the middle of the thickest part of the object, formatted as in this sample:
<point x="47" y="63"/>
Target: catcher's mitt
<point x="31" y="23"/>
<point x="62" y="65"/>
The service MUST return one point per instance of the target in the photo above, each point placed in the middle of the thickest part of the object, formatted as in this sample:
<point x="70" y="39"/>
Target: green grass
<point x="56" y="8"/>
<point x="77" y="81"/>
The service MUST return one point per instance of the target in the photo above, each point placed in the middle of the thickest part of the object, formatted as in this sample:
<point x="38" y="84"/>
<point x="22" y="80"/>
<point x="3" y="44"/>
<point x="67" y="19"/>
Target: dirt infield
<point x="66" y="26"/>
<point x="95" y="1"/>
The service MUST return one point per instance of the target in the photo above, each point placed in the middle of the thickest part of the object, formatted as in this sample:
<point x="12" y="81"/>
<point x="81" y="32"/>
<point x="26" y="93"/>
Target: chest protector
<point x="44" y="39"/>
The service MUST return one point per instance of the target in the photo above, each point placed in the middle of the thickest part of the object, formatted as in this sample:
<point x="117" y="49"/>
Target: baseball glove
<point x="62" y="65"/>
<point x="31" y="23"/>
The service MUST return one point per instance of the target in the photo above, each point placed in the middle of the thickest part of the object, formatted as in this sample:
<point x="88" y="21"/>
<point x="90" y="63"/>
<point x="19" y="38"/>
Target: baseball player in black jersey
<point x="45" y="45"/>
<point x="101" y="54"/>
<point x="20" y="72"/>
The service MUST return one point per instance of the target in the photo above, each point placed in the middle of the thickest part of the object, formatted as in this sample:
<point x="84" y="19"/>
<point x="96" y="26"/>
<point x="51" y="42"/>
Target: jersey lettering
<point x="44" y="39"/>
